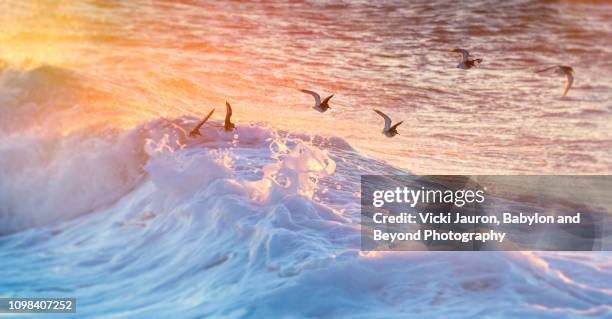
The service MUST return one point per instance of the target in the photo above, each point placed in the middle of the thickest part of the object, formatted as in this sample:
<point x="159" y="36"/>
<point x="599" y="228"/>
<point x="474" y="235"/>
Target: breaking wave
<point x="147" y="222"/>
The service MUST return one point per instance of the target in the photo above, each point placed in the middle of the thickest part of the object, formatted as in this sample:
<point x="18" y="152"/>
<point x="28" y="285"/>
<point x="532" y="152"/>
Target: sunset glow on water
<point x="142" y="60"/>
<point x="105" y="196"/>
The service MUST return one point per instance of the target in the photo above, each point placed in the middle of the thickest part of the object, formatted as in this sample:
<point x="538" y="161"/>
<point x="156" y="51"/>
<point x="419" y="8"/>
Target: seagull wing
<point x="387" y="119"/>
<point x="325" y="100"/>
<point x="464" y="53"/>
<point x="316" y="96"/>
<point x="396" y="125"/>
<point x="197" y="128"/>
<point x="568" y="83"/>
<point x="228" y="114"/>
<point x="549" y="68"/>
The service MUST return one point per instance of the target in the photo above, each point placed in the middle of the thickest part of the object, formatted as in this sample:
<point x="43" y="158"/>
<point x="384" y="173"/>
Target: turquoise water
<point x="104" y="198"/>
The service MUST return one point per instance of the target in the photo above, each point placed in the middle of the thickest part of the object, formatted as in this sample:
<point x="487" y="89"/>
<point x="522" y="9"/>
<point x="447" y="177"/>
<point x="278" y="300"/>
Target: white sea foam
<point x="257" y="223"/>
<point x="43" y="180"/>
<point x="217" y="227"/>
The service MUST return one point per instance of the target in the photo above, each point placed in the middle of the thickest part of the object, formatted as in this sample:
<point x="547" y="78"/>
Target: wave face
<point x="258" y="223"/>
<point x="245" y="224"/>
<point x="104" y="198"/>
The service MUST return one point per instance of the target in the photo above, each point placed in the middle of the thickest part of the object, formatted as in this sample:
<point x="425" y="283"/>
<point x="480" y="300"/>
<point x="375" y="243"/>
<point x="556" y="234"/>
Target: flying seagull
<point x="228" y="125"/>
<point x="389" y="131"/>
<point x="466" y="62"/>
<point x="196" y="131"/>
<point x="319" y="105"/>
<point x="568" y="71"/>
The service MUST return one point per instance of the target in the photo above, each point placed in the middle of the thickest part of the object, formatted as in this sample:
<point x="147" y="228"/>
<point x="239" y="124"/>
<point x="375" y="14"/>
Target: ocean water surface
<point x="105" y="198"/>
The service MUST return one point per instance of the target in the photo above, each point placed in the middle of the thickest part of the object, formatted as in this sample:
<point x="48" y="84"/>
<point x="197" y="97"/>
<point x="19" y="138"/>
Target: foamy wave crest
<point x="48" y="179"/>
<point x="252" y="223"/>
<point x="54" y="178"/>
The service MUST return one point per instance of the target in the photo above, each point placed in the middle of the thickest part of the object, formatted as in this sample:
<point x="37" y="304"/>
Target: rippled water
<point x="105" y="198"/>
<point x="152" y="58"/>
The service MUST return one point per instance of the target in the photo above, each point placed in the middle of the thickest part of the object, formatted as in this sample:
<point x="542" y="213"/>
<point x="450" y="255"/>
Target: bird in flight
<point x="228" y="125"/>
<point x="196" y="130"/>
<point x="389" y="130"/>
<point x="466" y="62"/>
<point x="319" y="105"/>
<point x="568" y="71"/>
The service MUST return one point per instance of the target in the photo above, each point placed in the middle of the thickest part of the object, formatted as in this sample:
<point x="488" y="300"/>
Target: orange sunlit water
<point x="133" y="62"/>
